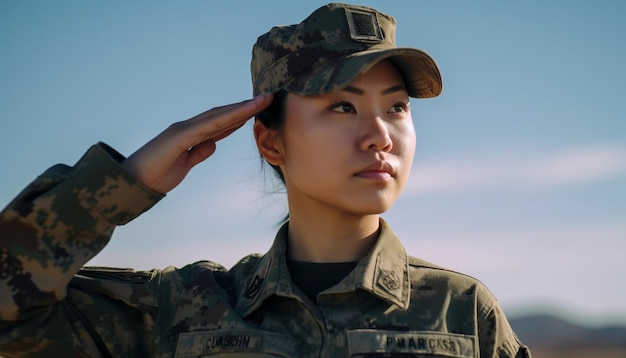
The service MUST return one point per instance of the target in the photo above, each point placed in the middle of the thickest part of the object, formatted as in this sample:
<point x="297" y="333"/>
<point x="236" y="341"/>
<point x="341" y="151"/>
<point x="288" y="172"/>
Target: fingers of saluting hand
<point x="164" y="161"/>
<point x="210" y="126"/>
<point x="218" y="122"/>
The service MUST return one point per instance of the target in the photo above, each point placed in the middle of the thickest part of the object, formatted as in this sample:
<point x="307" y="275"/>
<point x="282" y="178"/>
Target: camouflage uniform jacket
<point x="390" y="304"/>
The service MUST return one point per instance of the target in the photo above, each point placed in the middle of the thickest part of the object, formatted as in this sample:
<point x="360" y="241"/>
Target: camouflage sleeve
<point x="47" y="233"/>
<point x="496" y="336"/>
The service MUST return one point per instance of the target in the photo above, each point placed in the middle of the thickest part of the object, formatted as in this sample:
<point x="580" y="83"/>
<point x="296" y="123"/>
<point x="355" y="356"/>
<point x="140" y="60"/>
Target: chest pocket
<point x="372" y="343"/>
<point x="239" y="343"/>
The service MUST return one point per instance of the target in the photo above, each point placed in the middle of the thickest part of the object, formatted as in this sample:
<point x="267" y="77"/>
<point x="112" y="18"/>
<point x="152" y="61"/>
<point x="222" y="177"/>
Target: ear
<point x="269" y="143"/>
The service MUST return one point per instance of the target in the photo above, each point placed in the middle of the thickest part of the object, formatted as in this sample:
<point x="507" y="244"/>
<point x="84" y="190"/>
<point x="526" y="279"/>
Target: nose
<point x="375" y="135"/>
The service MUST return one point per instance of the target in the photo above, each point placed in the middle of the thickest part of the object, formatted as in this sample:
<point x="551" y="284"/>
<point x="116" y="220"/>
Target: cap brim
<point x="421" y="75"/>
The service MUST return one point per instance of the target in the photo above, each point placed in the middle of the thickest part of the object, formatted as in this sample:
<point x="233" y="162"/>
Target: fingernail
<point x="260" y="97"/>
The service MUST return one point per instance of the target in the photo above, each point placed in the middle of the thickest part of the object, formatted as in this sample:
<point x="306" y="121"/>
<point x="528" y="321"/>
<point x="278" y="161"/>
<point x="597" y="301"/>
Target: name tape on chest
<point x="194" y="344"/>
<point x="443" y="344"/>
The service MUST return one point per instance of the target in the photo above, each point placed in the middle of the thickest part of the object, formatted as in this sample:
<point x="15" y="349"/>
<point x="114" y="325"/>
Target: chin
<point x="372" y="209"/>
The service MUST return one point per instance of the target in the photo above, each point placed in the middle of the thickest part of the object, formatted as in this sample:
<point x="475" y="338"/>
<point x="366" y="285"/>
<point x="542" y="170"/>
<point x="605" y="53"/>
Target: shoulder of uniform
<point x="453" y="280"/>
<point x="245" y="266"/>
<point x="441" y="271"/>
<point x="201" y="272"/>
<point x="416" y="262"/>
<point x="202" y="268"/>
<point x="116" y="273"/>
<point x="206" y="265"/>
<point x="248" y="261"/>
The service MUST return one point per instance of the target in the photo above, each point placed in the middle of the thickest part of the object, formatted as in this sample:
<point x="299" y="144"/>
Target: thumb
<point x="200" y="152"/>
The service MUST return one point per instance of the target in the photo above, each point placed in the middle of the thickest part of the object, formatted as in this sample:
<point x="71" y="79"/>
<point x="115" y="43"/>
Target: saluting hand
<point x="162" y="163"/>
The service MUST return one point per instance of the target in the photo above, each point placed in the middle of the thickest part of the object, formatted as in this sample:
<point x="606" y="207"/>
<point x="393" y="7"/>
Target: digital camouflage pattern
<point x="331" y="48"/>
<point x="390" y="304"/>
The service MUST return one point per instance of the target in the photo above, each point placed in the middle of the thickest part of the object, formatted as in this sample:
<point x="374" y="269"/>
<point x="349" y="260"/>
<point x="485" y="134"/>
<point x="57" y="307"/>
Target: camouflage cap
<point x="331" y="48"/>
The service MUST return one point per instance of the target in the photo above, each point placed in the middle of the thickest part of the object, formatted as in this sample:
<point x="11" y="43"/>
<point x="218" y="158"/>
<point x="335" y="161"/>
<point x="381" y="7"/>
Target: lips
<point x="377" y="170"/>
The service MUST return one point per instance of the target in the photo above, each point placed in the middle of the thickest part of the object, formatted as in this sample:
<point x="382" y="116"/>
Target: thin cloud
<point x="579" y="166"/>
<point x="541" y="171"/>
<point x="550" y="259"/>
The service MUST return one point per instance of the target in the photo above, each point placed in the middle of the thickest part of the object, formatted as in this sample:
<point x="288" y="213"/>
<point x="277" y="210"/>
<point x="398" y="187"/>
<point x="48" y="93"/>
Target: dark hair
<point x="273" y="117"/>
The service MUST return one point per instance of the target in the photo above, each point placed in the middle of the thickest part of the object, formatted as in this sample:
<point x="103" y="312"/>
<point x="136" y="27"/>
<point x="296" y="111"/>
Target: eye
<point x="399" y="107"/>
<point x="342" y="107"/>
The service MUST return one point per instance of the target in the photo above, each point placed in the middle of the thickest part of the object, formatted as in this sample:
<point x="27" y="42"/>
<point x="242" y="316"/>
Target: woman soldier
<point x="336" y="282"/>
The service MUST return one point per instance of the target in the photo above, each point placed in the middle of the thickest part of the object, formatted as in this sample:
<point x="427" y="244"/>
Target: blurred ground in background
<point x="551" y="337"/>
<point x="579" y="353"/>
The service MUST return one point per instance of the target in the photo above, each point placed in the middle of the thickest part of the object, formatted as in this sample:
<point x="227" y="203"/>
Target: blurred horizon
<point x="519" y="178"/>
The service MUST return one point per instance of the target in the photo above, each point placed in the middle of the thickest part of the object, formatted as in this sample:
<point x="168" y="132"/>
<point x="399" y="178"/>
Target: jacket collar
<point x="384" y="272"/>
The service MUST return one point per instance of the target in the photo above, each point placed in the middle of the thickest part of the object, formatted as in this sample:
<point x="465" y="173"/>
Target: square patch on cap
<point x="364" y="26"/>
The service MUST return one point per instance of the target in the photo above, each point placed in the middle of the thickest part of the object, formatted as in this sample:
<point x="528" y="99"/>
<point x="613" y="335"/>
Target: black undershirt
<point x="313" y="278"/>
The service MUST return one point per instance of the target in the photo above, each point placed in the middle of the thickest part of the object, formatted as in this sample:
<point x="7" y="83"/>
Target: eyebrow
<point x="359" y="91"/>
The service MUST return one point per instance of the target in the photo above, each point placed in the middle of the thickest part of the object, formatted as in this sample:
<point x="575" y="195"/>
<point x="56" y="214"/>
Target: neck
<point x="331" y="238"/>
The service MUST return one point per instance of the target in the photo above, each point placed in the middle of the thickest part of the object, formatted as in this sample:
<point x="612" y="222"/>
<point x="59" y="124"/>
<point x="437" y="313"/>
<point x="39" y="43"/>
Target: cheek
<point x="304" y="148"/>
<point x="314" y="149"/>
<point x="404" y="140"/>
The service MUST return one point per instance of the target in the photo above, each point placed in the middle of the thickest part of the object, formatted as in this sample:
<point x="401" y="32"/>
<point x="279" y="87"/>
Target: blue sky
<point x="520" y="173"/>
